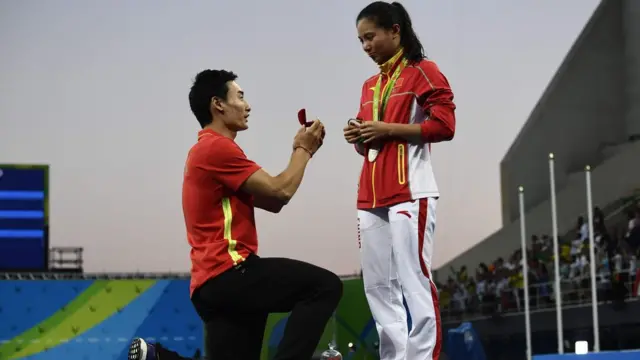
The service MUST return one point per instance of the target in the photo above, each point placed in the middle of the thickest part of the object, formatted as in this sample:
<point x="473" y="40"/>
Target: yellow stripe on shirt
<point x="228" y="220"/>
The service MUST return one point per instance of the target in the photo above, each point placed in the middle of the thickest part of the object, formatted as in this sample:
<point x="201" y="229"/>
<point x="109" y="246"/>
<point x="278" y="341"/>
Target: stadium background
<point x="589" y="115"/>
<point x="71" y="319"/>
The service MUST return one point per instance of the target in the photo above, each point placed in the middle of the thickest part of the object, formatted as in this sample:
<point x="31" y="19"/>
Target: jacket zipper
<point x="373" y="169"/>
<point x="373" y="184"/>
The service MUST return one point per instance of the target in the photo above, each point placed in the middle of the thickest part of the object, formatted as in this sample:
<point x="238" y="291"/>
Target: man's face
<point x="378" y="43"/>
<point x="234" y="111"/>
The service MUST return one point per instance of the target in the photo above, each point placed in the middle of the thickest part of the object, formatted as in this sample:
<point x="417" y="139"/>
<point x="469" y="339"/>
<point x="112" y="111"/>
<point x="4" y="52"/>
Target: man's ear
<point x="216" y="104"/>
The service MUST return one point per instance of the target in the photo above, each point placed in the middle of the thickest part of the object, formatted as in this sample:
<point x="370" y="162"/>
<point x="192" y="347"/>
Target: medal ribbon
<point x="378" y="108"/>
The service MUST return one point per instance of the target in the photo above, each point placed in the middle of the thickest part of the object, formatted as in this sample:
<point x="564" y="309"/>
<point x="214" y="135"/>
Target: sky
<point x="98" y="90"/>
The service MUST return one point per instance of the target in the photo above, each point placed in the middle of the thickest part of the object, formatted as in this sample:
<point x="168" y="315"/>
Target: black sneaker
<point x="141" y="350"/>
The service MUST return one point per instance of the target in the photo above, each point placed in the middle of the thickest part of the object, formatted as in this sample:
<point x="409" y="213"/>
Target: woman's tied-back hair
<point x="385" y="15"/>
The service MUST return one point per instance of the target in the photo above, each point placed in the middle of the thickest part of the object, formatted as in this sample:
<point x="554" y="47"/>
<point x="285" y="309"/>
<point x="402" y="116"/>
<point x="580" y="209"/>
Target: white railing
<point x="575" y="292"/>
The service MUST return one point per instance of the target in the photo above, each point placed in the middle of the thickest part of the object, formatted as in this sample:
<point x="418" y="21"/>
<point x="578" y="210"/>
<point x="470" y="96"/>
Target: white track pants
<point x="396" y="244"/>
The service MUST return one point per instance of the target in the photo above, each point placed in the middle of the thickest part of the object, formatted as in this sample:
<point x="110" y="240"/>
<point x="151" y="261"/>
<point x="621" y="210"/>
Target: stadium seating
<point x="498" y="287"/>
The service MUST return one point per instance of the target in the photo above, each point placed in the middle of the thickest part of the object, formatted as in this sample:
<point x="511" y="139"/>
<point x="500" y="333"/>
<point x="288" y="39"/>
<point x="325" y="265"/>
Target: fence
<point x="575" y="292"/>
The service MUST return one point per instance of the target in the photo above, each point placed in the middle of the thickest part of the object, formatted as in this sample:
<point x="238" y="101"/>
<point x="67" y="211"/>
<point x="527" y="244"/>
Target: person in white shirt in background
<point x="604" y="273"/>
<point x="617" y="263"/>
<point x="632" y="222"/>
<point x="583" y="229"/>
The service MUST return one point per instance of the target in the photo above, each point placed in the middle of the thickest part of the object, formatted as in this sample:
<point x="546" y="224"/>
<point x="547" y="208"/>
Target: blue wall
<point x="608" y="355"/>
<point x="94" y="319"/>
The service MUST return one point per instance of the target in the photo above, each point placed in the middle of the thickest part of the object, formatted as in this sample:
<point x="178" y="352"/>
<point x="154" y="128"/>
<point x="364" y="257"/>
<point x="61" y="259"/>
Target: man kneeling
<point x="232" y="288"/>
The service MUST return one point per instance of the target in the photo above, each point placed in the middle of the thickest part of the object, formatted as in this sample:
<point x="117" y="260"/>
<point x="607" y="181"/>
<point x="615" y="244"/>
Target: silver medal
<point x="372" y="154"/>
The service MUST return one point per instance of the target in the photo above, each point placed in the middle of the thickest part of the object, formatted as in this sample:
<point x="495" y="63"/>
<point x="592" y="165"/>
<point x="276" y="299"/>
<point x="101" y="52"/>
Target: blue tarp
<point x="463" y="343"/>
<point x="607" y="355"/>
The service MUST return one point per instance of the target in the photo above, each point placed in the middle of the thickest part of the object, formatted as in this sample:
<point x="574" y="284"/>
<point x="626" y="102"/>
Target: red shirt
<point x="219" y="218"/>
<point x="403" y="170"/>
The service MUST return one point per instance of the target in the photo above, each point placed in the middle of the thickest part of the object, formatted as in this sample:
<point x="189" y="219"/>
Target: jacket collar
<point x="390" y="65"/>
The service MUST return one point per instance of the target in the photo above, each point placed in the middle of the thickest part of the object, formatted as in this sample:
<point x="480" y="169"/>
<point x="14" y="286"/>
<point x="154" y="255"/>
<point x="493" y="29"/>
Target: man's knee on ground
<point x="332" y="288"/>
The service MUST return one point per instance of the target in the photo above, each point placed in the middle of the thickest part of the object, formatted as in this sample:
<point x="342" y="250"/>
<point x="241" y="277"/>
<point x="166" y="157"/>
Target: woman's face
<point x="380" y="44"/>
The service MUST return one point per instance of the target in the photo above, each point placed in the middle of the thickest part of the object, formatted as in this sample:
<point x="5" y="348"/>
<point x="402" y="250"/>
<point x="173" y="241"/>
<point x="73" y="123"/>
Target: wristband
<point x="305" y="149"/>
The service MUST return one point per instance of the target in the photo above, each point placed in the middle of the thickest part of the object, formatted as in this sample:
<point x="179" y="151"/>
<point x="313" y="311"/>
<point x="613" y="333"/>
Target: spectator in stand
<point x="599" y="233"/>
<point x="499" y="286"/>
<point x="632" y="235"/>
<point x="633" y="265"/>
<point x="598" y="215"/>
<point x="460" y="296"/>
<point x="490" y="296"/>
<point x="582" y="277"/>
<point x="545" y="252"/>
<point x="516" y="280"/>
<point x="565" y="253"/>
<point x="565" y="268"/>
<point x="544" y="290"/>
<point x="472" y="293"/>
<point x="582" y="229"/>
<point x="482" y="274"/>
<point x="632" y="220"/>
<point x="445" y="294"/>
<point x="501" y="278"/>
<point x="576" y="246"/>
<point x="535" y="240"/>
<point x="620" y="275"/>
<point x="604" y="271"/>
<point x="580" y="263"/>
<point x="460" y="275"/>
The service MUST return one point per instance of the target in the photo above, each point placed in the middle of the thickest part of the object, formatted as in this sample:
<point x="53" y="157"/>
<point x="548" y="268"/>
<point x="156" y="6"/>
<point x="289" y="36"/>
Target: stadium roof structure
<point x="589" y="114"/>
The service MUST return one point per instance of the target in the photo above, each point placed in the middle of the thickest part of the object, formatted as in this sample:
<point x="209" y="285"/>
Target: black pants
<point x="235" y="306"/>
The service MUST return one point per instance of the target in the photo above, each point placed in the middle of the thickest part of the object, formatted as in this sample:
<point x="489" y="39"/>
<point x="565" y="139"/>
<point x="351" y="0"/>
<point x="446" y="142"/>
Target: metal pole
<point x="525" y="272"/>
<point x="334" y="338"/>
<point x="592" y="264"/>
<point x="556" y="254"/>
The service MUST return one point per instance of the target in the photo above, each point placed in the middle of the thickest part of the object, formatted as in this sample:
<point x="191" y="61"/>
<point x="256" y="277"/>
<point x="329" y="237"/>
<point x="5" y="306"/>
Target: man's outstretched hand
<point x="310" y="138"/>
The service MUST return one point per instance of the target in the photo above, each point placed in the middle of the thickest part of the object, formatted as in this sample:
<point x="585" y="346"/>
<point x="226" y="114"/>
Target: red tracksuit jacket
<point x="403" y="170"/>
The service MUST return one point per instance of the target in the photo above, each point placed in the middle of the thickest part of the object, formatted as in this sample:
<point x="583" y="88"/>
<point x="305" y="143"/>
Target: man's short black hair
<point x="208" y="84"/>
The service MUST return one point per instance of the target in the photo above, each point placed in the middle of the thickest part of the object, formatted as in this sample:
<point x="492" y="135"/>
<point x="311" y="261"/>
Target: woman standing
<point x="404" y="108"/>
